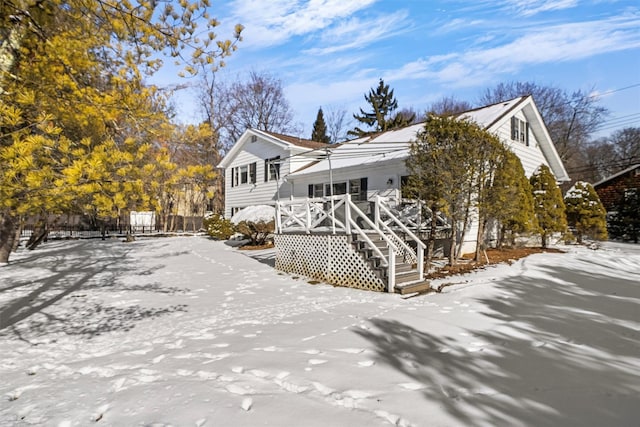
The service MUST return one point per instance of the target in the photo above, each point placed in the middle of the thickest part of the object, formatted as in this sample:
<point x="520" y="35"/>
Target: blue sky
<point x="329" y="53"/>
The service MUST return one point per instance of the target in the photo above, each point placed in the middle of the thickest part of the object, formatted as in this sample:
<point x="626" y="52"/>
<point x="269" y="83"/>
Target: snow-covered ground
<point x="192" y="332"/>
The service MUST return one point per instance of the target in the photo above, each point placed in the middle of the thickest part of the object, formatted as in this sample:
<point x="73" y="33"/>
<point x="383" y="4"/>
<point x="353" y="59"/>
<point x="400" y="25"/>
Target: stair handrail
<point x="353" y="223"/>
<point x="402" y="243"/>
<point x="403" y="227"/>
<point x="420" y="244"/>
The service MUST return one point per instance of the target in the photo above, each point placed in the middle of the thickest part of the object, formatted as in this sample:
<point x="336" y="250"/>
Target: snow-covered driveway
<point x="191" y="332"/>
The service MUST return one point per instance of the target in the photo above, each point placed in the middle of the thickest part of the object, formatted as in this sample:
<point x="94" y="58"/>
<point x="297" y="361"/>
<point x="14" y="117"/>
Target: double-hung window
<point x="358" y="189"/>
<point x="520" y="130"/>
<point x="243" y="174"/>
<point x="272" y="169"/>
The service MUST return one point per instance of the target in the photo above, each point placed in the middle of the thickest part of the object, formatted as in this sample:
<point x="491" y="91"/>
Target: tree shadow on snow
<point x="263" y="256"/>
<point x="566" y="352"/>
<point x="76" y="273"/>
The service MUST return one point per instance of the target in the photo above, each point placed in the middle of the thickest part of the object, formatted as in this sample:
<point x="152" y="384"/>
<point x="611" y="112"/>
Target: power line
<point x="622" y="121"/>
<point x="609" y="92"/>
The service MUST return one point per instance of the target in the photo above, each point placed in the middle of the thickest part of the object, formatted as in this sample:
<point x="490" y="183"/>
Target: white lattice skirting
<point x="329" y="258"/>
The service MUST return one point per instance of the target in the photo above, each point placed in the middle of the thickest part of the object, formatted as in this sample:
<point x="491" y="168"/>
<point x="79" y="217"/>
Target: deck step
<point x="405" y="277"/>
<point x="413" y="287"/>
<point x="403" y="268"/>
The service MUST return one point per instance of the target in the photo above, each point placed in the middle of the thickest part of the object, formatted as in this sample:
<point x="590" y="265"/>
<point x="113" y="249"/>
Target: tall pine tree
<point x="319" y="133"/>
<point x="585" y="212"/>
<point x="548" y="204"/>
<point x="381" y="118"/>
<point x="510" y="202"/>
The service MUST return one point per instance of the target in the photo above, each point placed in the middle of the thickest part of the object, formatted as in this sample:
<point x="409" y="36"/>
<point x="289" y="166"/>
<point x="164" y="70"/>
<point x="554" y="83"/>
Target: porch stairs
<point x="407" y="275"/>
<point x="391" y="254"/>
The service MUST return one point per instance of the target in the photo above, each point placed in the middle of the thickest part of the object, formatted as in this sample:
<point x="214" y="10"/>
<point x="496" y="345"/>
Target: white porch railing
<point x="339" y="214"/>
<point x="418" y="257"/>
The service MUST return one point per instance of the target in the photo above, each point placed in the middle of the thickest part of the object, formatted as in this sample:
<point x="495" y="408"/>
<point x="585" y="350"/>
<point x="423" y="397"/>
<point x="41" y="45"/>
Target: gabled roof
<point x="394" y="144"/>
<point x="489" y="115"/>
<point x="287" y="142"/>
<point x="503" y="112"/>
<point x="615" y="175"/>
<point x="304" y="143"/>
<point x="368" y="150"/>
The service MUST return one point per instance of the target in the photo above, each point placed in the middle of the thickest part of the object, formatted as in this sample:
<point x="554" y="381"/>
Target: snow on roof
<point x="383" y="147"/>
<point x="394" y="144"/>
<point x="488" y="115"/>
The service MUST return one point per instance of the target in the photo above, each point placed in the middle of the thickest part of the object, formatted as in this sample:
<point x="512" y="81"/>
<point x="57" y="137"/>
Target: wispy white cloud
<point x="276" y="21"/>
<point x="524" y="8"/>
<point x="558" y="43"/>
<point x="356" y="33"/>
<point x="457" y="24"/>
<point x="533" y="7"/>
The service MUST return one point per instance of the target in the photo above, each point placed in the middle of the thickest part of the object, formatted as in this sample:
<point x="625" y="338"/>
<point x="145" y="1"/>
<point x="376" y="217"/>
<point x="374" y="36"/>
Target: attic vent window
<point x="254" y="138"/>
<point x="520" y="130"/>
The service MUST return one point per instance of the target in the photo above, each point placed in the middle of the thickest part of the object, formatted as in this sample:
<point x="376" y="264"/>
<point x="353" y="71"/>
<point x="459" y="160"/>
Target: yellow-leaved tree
<point x="79" y="128"/>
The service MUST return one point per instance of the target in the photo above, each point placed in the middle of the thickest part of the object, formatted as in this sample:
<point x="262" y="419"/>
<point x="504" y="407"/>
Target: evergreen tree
<point x="448" y="171"/>
<point x="511" y="201"/>
<point x="319" y="133"/>
<point x="548" y="204"/>
<point x="585" y="212"/>
<point x="381" y="118"/>
<point x="625" y="220"/>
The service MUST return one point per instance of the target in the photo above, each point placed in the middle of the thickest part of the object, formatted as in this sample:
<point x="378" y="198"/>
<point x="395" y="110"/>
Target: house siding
<point x="611" y="190"/>
<point x="530" y="156"/>
<point x="261" y="192"/>
<point x="377" y="178"/>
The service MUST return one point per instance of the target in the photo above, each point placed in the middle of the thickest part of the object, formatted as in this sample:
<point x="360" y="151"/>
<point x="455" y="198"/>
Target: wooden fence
<point x="77" y="227"/>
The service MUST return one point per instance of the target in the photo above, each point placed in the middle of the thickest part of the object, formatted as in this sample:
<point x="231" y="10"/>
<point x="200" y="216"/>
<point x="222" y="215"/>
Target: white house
<point x="375" y="165"/>
<point x="263" y="167"/>
<point x="256" y="164"/>
<point x="358" y="175"/>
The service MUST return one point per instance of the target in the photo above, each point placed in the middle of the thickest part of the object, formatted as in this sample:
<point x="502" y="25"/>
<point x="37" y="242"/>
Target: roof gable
<point x="616" y="175"/>
<point x="502" y="115"/>
<point x="394" y="144"/>
<point x="489" y="115"/>
<point x="285" y="142"/>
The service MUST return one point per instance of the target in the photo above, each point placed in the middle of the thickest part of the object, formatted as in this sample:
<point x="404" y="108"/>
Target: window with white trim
<point x="316" y="190"/>
<point x="356" y="187"/>
<point x="243" y="174"/>
<point x="272" y="169"/>
<point x="520" y="130"/>
<point x="338" y="189"/>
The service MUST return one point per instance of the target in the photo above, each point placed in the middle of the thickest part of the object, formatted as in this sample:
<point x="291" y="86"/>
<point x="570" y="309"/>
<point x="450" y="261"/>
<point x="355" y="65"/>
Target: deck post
<point x="376" y="211"/>
<point x="347" y="214"/>
<point x="307" y="224"/>
<point x="278" y="218"/>
<point x="420" y="262"/>
<point x="391" y="270"/>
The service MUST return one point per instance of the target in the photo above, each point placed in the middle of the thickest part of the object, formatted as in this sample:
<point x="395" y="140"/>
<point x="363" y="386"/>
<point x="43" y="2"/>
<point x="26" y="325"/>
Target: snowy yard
<point x="191" y="332"/>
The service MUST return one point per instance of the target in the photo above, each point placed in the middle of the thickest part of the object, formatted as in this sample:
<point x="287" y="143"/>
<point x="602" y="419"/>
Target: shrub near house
<point x="585" y="213"/>
<point x="218" y="227"/>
